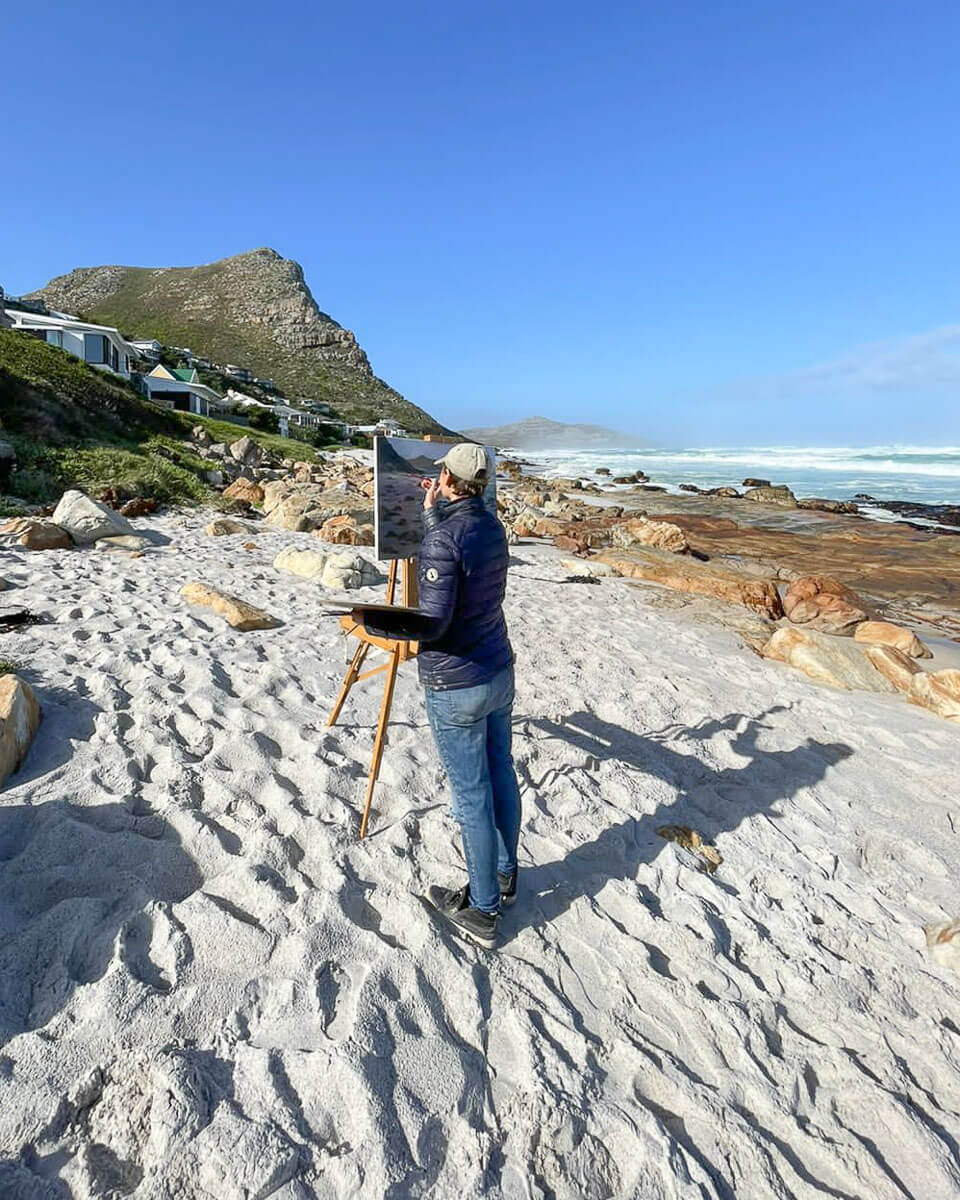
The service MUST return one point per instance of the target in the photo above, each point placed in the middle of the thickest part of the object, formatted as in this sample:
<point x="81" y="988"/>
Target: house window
<point x="55" y="337"/>
<point x="96" y="348"/>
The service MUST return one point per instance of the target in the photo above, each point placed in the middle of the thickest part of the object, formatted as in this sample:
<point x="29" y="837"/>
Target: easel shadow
<point x="548" y="890"/>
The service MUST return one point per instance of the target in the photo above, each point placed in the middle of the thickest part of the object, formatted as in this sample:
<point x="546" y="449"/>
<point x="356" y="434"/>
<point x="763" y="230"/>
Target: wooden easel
<point x="398" y="651"/>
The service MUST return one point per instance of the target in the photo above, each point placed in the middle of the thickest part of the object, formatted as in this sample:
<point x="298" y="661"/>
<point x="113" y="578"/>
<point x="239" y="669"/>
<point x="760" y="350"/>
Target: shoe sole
<point x="484" y="943"/>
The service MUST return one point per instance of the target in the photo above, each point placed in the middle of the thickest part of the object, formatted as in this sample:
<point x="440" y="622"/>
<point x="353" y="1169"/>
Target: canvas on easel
<point x="399" y="466"/>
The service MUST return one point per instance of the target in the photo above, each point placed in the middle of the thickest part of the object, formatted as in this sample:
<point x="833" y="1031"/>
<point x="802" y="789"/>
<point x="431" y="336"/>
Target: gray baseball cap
<point x="467" y="461"/>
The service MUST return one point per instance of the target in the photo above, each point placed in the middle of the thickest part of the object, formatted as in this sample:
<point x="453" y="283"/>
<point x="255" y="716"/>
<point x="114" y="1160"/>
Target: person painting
<point x="466" y="668"/>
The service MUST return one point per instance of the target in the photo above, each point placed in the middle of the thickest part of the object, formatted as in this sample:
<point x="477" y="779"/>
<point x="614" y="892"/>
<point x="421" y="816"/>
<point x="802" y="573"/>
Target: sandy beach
<point x="210" y="988"/>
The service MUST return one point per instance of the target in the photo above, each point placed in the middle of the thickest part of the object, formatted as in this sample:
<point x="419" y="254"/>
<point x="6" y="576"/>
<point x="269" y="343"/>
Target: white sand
<point x="210" y="988"/>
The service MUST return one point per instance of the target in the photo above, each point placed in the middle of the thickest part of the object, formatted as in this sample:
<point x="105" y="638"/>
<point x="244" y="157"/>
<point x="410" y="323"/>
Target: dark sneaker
<point x="508" y="888"/>
<point x="479" y="927"/>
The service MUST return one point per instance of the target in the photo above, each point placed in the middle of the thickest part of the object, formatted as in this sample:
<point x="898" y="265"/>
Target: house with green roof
<point x="179" y="388"/>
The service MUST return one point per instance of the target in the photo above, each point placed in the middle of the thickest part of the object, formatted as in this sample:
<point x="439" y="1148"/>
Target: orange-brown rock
<point x="688" y="575"/>
<point x="33" y="533"/>
<point x="885" y="633"/>
<point x="245" y="490"/>
<point x="19" y="721"/>
<point x="822" y="603"/>
<point x="939" y="691"/>
<point x="139" y="506"/>
<point x="825" y="659"/>
<point x="638" y="531"/>
<point x="345" y="531"/>
<point x="570" y="544"/>
<point x="898" y="667"/>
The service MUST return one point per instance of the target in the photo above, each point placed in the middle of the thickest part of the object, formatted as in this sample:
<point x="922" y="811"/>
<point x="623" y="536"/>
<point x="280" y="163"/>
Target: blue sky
<point x="707" y="223"/>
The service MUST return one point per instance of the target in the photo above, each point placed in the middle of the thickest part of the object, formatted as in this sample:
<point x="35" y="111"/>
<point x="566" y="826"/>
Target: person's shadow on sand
<point x="727" y="798"/>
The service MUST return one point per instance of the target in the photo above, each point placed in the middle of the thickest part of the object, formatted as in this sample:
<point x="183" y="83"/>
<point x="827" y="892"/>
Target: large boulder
<point x="781" y="496"/>
<point x="86" y="519"/>
<point x="839" y="663"/>
<point x="885" y="633"/>
<point x="345" y="530"/>
<point x="702" y="579"/>
<point x="245" y="490"/>
<point x="296" y="513"/>
<point x="245" y="450"/>
<point x="308" y="564"/>
<point x="640" y="532"/>
<point x="821" y="603"/>
<point x="274" y="491"/>
<point x="35" y="533"/>
<point x="237" y="612"/>
<point x="939" y="691"/>
<point x="342" y="572"/>
<point x="19" y="721"/>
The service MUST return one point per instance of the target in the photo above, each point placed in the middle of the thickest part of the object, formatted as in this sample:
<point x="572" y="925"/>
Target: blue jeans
<point x="472" y="729"/>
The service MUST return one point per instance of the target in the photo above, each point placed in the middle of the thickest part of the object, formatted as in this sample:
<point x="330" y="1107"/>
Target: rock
<point x="939" y="691"/>
<point x="308" y="564"/>
<point x="824" y="604"/>
<point x="641" y="532"/>
<point x="218" y="450"/>
<point x="224" y="526"/>
<point x="885" y="633"/>
<point x="139" y="506"/>
<point x="245" y="450"/>
<point x="345" y="531"/>
<point x="943" y="943"/>
<point x="86" y="519"/>
<point x="34" y="533"/>
<point x="781" y="496"/>
<point x="214" y="478"/>
<point x="294" y="513"/>
<point x="687" y="575"/>
<point x="602" y="471"/>
<point x="690" y="487"/>
<point x="833" y="661"/>
<point x="274" y="492"/>
<point x="898" y="667"/>
<point x="730" y="493"/>
<point x="200" y="435"/>
<point x="8" y="464"/>
<point x="832" y="506"/>
<point x="588" y="566"/>
<point x="342" y="572"/>
<point x="750" y="482"/>
<point x="244" y="489"/>
<point x="238" y="613"/>
<point x="125" y="541"/>
<point x="571" y="545"/>
<point x="19" y="721"/>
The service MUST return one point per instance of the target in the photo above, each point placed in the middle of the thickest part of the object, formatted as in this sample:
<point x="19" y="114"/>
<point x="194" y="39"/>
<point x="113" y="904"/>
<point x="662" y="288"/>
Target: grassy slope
<point x="140" y="309"/>
<point x="73" y="426"/>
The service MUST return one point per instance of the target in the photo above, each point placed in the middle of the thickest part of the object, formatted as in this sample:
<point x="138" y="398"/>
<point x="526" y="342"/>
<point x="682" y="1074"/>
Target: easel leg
<point x="381" y="736"/>
<point x="348" y="681"/>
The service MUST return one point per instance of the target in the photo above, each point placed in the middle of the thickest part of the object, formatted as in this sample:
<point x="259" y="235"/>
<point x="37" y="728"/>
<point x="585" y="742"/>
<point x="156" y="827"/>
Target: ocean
<point x="925" y="475"/>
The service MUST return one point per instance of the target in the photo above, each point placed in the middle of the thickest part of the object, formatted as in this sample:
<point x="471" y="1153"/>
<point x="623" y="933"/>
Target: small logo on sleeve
<point x="431" y="574"/>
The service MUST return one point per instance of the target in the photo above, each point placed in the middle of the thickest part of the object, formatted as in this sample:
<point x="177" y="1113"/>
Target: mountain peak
<point x="254" y="309"/>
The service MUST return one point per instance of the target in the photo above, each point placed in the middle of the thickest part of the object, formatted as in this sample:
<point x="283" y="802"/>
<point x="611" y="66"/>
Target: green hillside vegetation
<point x="144" y="305"/>
<point x="73" y="426"/>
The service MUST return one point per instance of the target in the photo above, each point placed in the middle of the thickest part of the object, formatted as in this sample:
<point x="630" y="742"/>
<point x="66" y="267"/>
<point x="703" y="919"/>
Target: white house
<point x="99" y="345"/>
<point x="149" y="348"/>
<point x="383" y="428"/>
<point x="240" y="373"/>
<point x="180" y="389"/>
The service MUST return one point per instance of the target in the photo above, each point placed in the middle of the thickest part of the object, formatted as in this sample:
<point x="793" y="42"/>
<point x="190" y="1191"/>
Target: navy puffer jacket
<point x="463" y="578"/>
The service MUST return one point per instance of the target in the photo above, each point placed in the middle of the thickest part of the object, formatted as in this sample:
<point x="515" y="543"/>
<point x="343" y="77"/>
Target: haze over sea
<point x="923" y="474"/>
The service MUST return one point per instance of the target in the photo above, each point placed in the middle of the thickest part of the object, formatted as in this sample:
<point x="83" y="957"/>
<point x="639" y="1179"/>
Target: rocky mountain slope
<point x="253" y="309"/>
<point x="540" y="433"/>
